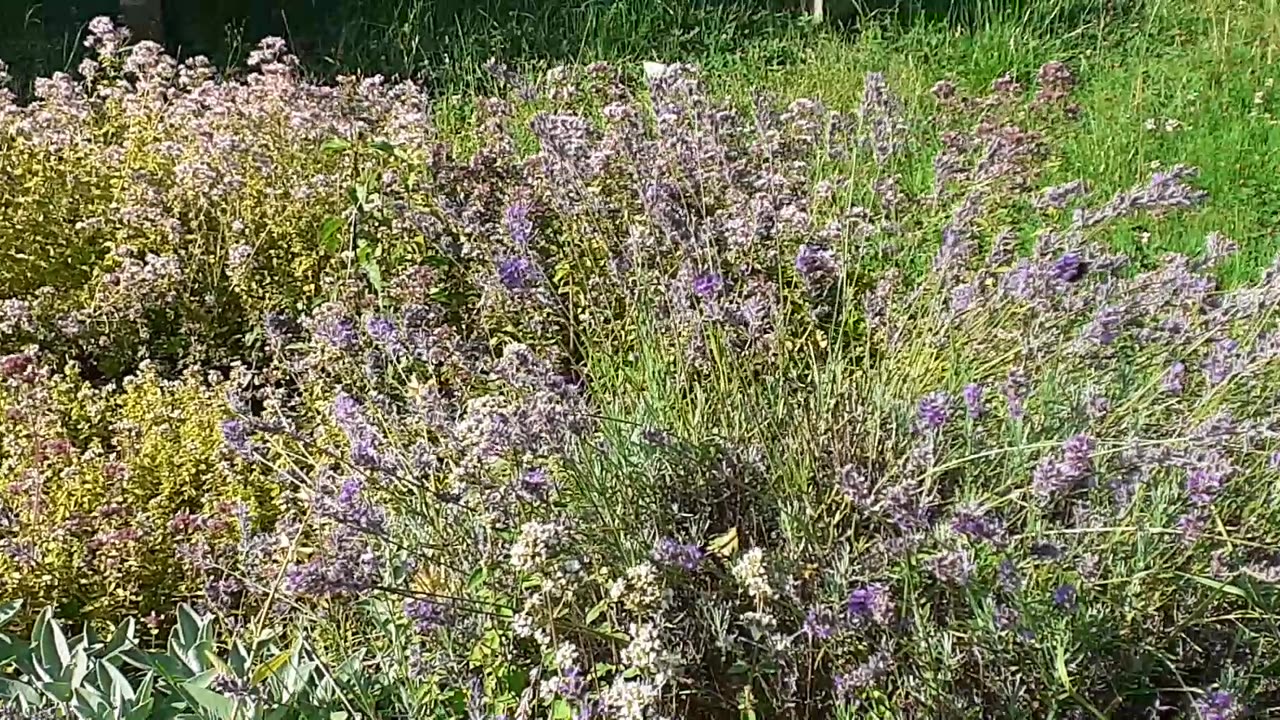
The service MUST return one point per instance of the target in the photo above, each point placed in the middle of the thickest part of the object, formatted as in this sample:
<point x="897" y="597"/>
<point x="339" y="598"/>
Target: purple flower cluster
<point x="934" y="410"/>
<point x="873" y="603"/>
<point x="672" y="553"/>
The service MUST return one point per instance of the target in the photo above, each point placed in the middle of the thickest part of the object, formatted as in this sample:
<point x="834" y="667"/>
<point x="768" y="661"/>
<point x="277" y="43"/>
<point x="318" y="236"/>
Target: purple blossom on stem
<point x="1064" y="597"/>
<point x="345" y="566"/>
<point x="1104" y="329"/>
<point x="973" y="523"/>
<point x="384" y="332"/>
<point x="519" y="225"/>
<point x="425" y="615"/>
<point x="1015" y="393"/>
<point x="708" y="285"/>
<point x="1203" y="485"/>
<point x="817" y="267"/>
<point x="1223" y="361"/>
<point x="235" y="433"/>
<point x="675" y="554"/>
<point x="1077" y="457"/>
<point x="933" y="410"/>
<point x="1008" y="577"/>
<point x="363" y="437"/>
<point x="819" y="624"/>
<point x="871" y="602"/>
<point x="973" y="401"/>
<point x="1174" y="379"/>
<point x="339" y="333"/>
<point x="1218" y="705"/>
<point x="534" y="485"/>
<point x="1070" y="268"/>
<point x="954" y="567"/>
<point x="517" y="272"/>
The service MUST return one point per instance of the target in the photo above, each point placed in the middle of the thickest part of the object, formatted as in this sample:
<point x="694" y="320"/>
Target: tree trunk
<point x="144" y="18"/>
<point x="818" y="10"/>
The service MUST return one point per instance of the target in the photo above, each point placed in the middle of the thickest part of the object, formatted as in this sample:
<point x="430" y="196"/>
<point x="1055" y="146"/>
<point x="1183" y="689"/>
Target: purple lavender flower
<point x="817" y="267"/>
<point x="1070" y="268"/>
<point x="1223" y="361"/>
<point x="364" y="439"/>
<point x="954" y="567"/>
<point x="974" y="523"/>
<point x="1218" y="705"/>
<point x="534" y="485"/>
<point x="345" y="566"/>
<point x="277" y="328"/>
<point x="1174" y="379"/>
<point x="863" y="676"/>
<point x="516" y="272"/>
<point x="1077" y="457"/>
<point x="933" y="410"/>
<point x="236" y="435"/>
<point x="674" y="554"/>
<point x="1015" y="393"/>
<point x="519" y="225"/>
<point x="871" y="602"/>
<point x="425" y="615"/>
<point x="1008" y="577"/>
<point x="1204" y="484"/>
<point x="351" y="508"/>
<point x="1064" y="597"/>
<point x="973" y="401"/>
<point x="708" y="285"/>
<point x="1192" y="525"/>
<point x="1045" y="551"/>
<point x="384" y="332"/>
<point x="1047" y="481"/>
<point x="338" y="332"/>
<point x="819" y="624"/>
<point x="1104" y="329"/>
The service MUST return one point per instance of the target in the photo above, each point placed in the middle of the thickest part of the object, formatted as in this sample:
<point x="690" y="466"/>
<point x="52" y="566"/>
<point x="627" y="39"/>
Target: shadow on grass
<point x="444" y="41"/>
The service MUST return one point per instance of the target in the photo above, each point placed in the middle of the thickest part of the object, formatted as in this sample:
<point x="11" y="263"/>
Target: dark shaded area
<point x="444" y="41"/>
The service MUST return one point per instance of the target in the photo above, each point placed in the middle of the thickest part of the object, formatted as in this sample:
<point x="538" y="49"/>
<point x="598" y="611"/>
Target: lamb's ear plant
<point x="94" y="677"/>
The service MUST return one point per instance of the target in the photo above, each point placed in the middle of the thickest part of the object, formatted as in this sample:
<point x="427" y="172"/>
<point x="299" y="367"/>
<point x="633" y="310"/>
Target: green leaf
<point x="329" y="237"/>
<point x="9" y="609"/>
<point x="1216" y="585"/>
<point x="238" y="659"/>
<point x="121" y="638"/>
<point x="335" y="145"/>
<point x="77" y="669"/>
<point x="372" y="269"/>
<point x="59" y="691"/>
<point x="383" y="146"/>
<point x="595" y="611"/>
<point x="17" y="689"/>
<point x="113" y="682"/>
<point x="477" y="578"/>
<point x="1060" y="667"/>
<point x="561" y="710"/>
<point x="188" y="628"/>
<point x="271" y="667"/>
<point x="219" y="706"/>
<point x="54" y="653"/>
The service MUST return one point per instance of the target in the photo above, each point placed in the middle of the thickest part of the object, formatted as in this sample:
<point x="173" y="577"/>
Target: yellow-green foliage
<point x="98" y="474"/>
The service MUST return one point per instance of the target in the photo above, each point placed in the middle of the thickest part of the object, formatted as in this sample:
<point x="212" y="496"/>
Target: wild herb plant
<point x="640" y="403"/>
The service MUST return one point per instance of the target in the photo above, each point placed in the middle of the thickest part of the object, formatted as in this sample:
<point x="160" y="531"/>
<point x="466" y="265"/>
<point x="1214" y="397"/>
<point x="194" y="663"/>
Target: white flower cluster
<point x="535" y="546"/>
<point x="639" y="588"/>
<point x="751" y="573"/>
<point x="629" y="699"/>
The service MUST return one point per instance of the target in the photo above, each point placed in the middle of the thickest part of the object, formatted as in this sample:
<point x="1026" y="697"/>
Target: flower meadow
<point x="616" y="400"/>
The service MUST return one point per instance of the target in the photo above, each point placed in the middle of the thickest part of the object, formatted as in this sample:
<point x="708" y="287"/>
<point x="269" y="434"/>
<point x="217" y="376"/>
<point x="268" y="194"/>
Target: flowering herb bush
<point x="653" y="405"/>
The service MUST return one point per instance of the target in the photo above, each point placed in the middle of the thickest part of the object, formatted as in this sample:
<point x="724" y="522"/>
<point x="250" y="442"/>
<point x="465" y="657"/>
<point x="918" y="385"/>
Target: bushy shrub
<point x="100" y="481"/>
<point x="654" y="405"/>
<point x="783" y="454"/>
